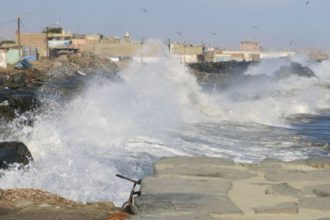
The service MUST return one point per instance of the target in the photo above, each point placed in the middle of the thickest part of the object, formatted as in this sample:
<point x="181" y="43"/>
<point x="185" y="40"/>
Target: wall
<point x="37" y="40"/>
<point x="13" y="56"/>
<point x="3" y="58"/>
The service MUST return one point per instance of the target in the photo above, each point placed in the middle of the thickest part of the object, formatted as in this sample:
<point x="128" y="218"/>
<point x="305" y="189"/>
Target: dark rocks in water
<point x="13" y="102"/>
<point x="229" y="67"/>
<point x="7" y="113"/>
<point x="16" y="81"/>
<point x="294" y="69"/>
<point x="14" y="152"/>
<point x="23" y="102"/>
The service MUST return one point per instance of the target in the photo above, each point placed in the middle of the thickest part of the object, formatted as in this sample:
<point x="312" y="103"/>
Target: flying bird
<point x="291" y="42"/>
<point x="255" y="27"/>
<point x="144" y="10"/>
<point x="307" y="2"/>
<point x="179" y="33"/>
<point x="213" y="33"/>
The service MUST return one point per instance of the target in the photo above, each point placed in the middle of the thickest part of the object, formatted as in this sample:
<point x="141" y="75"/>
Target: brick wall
<point x="37" y="40"/>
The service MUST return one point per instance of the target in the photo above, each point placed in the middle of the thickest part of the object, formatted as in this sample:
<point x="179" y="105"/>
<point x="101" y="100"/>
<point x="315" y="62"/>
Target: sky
<point x="276" y="24"/>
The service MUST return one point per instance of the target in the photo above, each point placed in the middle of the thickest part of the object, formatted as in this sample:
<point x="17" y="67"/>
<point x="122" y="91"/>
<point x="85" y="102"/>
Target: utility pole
<point x="142" y="51"/>
<point x="19" y="37"/>
<point x="184" y="52"/>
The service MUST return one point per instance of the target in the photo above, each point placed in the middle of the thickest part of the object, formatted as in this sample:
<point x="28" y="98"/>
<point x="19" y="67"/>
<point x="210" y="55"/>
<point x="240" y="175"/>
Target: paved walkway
<point x="213" y="188"/>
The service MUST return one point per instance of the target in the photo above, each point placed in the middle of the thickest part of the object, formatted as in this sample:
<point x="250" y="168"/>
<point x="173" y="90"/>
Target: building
<point x="12" y="53"/>
<point x="35" y="40"/>
<point x="250" y="46"/>
<point x="187" y="53"/>
<point x="54" y="45"/>
<point x="3" y="58"/>
<point x="60" y="43"/>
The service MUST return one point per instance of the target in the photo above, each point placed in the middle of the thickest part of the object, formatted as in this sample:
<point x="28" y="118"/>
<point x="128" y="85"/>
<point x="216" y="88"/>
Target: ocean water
<point x="158" y="109"/>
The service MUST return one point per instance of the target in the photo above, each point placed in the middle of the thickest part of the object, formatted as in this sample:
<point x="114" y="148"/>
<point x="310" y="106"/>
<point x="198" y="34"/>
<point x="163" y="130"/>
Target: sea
<point x="159" y="109"/>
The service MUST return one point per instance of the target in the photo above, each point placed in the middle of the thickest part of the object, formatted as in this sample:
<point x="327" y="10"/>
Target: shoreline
<point x="199" y="187"/>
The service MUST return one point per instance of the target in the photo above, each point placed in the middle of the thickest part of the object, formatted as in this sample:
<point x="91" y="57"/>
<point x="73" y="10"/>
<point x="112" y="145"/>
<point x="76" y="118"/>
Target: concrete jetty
<point x="214" y="188"/>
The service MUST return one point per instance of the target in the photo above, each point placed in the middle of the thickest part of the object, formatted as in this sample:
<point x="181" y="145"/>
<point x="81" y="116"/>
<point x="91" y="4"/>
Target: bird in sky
<point x="291" y="42"/>
<point x="179" y="33"/>
<point x="307" y="2"/>
<point x="144" y="10"/>
<point x="213" y="33"/>
<point x="255" y="27"/>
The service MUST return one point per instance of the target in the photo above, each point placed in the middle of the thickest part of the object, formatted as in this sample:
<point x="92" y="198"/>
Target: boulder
<point x="281" y="208"/>
<point x="14" y="152"/>
<point x="7" y="113"/>
<point x="23" y="102"/>
<point x="322" y="190"/>
<point x="294" y="69"/>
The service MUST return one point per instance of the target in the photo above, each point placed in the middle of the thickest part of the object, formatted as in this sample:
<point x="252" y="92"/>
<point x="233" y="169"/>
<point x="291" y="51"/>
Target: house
<point x="54" y="45"/>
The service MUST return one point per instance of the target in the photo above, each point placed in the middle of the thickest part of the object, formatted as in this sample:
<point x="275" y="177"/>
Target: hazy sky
<point x="275" y="23"/>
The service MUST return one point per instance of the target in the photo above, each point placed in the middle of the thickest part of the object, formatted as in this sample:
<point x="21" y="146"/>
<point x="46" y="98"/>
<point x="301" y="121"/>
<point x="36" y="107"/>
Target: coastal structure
<point x="249" y="51"/>
<point x="49" y="44"/>
<point x="118" y="48"/>
<point x="216" y="188"/>
<point x="188" y="53"/>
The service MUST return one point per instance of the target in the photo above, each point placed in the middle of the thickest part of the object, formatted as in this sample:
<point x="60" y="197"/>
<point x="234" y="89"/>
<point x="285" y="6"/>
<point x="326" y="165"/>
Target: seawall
<point x="215" y="188"/>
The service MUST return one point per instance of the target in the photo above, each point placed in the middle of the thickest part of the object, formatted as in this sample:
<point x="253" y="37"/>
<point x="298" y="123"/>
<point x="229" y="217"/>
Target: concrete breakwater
<point x="215" y="188"/>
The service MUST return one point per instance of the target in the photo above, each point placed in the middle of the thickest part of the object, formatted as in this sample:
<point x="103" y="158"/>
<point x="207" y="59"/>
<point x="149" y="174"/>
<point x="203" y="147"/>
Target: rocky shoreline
<point x="34" y="204"/>
<point x="20" y="93"/>
<point x="215" y="188"/>
<point x="21" y="89"/>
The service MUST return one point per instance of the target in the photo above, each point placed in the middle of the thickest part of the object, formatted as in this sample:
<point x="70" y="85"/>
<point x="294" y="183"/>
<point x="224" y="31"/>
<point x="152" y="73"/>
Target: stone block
<point x="281" y="208"/>
<point x="282" y="189"/>
<point x="322" y="203"/>
<point x="185" y="203"/>
<point x="153" y="185"/>
<point x="297" y="175"/>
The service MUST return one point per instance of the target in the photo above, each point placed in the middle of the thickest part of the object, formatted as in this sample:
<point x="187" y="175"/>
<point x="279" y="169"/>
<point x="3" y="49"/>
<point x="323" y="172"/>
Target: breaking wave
<point x="158" y="109"/>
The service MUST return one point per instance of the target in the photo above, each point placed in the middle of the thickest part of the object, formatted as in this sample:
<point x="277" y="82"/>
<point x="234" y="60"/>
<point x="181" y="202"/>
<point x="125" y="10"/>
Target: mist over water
<point x="158" y="109"/>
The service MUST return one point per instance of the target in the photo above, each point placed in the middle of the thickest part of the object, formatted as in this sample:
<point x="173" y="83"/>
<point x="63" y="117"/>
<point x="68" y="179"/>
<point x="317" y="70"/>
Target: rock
<point x="322" y="190"/>
<point x="102" y="204"/>
<point x="5" y="211"/>
<point x="281" y="208"/>
<point x="322" y="203"/>
<point x="282" y="189"/>
<point x="7" y="112"/>
<point x="294" y="69"/>
<point x="2" y="99"/>
<point x="214" y="186"/>
<point x="119" y="216"/>
<point x="23" y="102"/>
<point x="187" y="203"/>
<point x="13" y="152"/>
